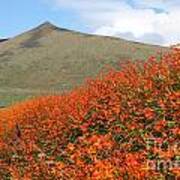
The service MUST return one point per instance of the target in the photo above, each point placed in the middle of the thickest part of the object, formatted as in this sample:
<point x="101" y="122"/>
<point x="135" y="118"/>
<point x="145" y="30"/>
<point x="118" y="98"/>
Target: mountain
<point x="50" y="59"/>
<point x="2" y="40"/>
<point x="177" y="46"/>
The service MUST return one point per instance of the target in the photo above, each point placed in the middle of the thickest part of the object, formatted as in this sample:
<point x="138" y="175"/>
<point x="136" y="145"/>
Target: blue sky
<point x="17" y="16"/>
<point x="149" y="21"/>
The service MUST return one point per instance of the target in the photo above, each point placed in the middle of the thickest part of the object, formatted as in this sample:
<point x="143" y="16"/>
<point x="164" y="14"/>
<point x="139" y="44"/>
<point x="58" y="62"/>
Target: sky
<point x="148" y="21"/>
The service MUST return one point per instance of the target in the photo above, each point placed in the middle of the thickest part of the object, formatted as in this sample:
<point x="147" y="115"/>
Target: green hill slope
<point x="49" y="58"/>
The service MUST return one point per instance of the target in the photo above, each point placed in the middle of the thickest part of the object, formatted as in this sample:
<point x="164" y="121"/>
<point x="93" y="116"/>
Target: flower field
<point x="122" y="125"/>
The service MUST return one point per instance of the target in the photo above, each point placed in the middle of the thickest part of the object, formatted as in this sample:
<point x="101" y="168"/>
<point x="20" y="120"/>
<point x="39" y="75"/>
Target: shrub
<point x="114" y="127"/>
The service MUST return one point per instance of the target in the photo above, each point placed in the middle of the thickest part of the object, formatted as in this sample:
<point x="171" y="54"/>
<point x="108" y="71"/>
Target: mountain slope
<point x="48" y="58"/>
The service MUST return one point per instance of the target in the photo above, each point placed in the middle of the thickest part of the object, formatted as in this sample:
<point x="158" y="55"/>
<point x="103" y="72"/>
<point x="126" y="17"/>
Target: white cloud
<point x="131" y="19"/>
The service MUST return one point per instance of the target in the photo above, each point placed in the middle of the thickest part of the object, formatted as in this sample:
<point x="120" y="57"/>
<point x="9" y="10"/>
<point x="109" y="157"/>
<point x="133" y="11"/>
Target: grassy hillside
<point x="49" y="58"/>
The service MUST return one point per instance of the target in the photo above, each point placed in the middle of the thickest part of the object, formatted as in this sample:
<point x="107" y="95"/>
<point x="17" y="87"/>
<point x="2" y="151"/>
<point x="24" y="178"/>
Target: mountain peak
<point x="45" y="28"/>
<point x="47" y="24"/>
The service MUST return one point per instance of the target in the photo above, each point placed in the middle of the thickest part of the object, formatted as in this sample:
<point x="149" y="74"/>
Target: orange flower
<point x="149" y="113"/>
<point x="96" y="131"/>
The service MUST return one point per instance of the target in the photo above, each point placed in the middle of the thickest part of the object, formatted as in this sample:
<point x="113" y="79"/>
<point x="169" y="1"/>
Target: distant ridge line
<point x="2" y="40"/>
<point x="47" y="25"/>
